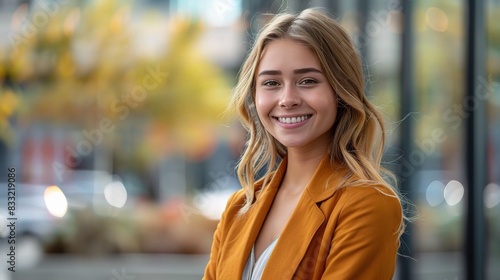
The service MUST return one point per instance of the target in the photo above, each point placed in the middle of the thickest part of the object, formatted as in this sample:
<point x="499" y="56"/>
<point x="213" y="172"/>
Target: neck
<point x="301" y="165"/>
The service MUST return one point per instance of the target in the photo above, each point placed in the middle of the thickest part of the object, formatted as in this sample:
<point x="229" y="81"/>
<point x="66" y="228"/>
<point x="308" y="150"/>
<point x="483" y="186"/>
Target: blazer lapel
<point x="303" y="224"/>
<point x="249" y="225"/>
<point x="294" y="240"/>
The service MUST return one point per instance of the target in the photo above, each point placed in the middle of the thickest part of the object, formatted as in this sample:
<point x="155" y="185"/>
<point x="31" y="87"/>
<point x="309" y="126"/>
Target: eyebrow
<point x="306" y="70"/>
<point x="296" y="71"/>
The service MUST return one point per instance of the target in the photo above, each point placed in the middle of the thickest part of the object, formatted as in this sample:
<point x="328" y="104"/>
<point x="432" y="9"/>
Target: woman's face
<point x="294" y="100"/>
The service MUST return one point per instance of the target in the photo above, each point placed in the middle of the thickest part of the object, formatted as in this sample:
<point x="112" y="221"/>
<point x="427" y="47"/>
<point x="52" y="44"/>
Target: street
<point x="122" y="267"/>
<point x="429" y="266"/>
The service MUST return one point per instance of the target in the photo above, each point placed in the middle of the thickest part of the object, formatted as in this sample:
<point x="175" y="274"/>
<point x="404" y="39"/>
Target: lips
<point x="292" y="120"/>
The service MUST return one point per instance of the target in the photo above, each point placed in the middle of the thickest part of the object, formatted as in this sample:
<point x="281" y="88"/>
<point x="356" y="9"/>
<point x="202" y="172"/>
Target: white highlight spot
<point x="453" y="192"/>
<point x="491" y="195"/>
<point x="115" y="194"/>
<point x="56" y="201"/>
<point x="212" y="204"/>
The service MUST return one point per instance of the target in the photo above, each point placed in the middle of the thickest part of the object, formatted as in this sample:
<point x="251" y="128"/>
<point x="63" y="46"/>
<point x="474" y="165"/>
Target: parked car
<point x="33" y="222"/>
<point x="41" y="210"/>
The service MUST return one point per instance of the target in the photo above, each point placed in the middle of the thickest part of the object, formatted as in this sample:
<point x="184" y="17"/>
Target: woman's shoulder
<point x="377" y="199"/>
<point x="376" y="192"/>
<point x="367" y="189"/>
<point x="235" y="203"/>
<point x="236" y="199"/>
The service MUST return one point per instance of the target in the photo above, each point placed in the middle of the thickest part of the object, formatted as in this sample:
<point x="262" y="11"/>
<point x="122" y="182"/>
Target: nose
<point x="289" y="98"/>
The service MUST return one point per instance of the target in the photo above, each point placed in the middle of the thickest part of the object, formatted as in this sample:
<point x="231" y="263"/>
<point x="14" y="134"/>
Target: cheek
<point x="263" y="106"/>
<point x="329" y="106"/>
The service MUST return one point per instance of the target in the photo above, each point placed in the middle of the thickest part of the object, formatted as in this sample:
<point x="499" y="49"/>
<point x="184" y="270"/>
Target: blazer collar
<point x="249" y="224"/>
<point x="303" y="223"/>
<point x="326" y="179"/>
<point x="324" y="182"/>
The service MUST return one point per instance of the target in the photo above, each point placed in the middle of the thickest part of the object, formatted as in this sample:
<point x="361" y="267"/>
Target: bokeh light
<point x="435" y="193"/>
<point x="491" y="195"/>
<point x="115" y="194"/>
<point x="453" y="192"/>
<point x="212" y="204"/>
<point x="436" y="19"/>
<point x="56" y="201"/>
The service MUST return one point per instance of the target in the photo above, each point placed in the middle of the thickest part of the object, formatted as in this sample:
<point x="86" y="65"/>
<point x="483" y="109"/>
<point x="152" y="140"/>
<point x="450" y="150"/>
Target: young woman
<point x="322" y="209"/>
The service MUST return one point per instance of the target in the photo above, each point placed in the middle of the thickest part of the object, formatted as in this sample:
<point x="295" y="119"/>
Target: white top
<point x="253" y="269"/>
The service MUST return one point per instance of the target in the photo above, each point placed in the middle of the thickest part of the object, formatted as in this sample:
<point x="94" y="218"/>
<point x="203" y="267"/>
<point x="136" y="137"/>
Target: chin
<point x="293" y="143"/>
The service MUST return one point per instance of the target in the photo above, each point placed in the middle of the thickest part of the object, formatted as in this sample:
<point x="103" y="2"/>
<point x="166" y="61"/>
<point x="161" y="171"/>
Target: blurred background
<point x="113" y="115"/>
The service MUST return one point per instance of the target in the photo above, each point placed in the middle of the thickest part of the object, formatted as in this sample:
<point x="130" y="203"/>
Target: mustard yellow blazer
<point x="334" y="232"/>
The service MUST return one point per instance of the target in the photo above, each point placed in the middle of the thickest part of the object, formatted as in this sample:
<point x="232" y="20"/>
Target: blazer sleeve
<point x="366" y="239"/>
<point x="211" y="268"/>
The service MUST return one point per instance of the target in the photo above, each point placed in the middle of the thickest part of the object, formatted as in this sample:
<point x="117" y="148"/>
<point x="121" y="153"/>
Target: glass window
<point x="492" y="190"/>
<point x="438" y="155"/>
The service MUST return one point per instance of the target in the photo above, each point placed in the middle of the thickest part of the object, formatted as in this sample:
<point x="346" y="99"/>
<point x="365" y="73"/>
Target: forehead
<point x="282" y="54"/>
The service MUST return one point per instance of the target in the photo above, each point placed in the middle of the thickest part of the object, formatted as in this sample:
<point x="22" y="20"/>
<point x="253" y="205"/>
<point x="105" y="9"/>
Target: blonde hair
<point x="358" y="132"/>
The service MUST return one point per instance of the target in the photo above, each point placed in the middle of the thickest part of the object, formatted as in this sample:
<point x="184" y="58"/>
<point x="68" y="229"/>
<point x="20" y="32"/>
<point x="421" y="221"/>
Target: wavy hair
<point x="358" y="133"/>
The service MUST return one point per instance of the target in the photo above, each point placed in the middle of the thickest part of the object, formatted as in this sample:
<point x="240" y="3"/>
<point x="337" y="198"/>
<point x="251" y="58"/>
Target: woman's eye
<point x="308" y="81"/>
<point x="270" y="83"/>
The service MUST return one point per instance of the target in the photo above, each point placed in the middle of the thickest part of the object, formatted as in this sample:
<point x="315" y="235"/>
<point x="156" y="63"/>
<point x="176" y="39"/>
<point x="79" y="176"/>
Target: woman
<point x="325" y="211"/>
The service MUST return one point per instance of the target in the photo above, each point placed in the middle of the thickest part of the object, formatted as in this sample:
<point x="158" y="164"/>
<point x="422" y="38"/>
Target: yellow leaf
<point x="8" y="103"/>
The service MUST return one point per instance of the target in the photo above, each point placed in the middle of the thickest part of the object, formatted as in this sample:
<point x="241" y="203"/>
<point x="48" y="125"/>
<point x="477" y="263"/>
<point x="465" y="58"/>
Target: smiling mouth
<point x="293" y="119"/>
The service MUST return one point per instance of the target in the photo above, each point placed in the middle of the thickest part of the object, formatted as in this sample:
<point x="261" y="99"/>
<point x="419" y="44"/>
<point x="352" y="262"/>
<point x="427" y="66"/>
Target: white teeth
<point x="293" y="119"/>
